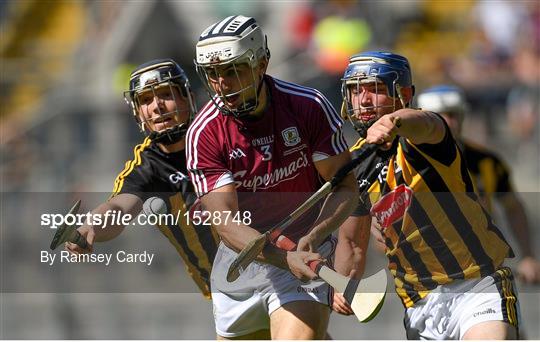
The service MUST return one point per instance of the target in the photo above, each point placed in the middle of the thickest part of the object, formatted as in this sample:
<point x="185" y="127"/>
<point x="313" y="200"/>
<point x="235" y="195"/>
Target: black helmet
<point x="154" y="74"/>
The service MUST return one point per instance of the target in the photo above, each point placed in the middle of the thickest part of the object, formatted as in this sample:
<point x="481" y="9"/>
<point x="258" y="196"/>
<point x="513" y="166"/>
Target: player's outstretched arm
<point x="107" y="230"/>
<point x="338" y="205"/>
<point x="420" y="127"/>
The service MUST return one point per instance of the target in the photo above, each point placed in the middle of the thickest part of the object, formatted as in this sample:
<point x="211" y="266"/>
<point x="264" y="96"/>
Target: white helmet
<point x="232" y="41"/>
<point x="444" y="99"/>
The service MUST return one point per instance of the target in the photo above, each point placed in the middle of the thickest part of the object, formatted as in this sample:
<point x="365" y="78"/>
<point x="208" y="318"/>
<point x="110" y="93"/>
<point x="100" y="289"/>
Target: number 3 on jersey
<point x="267" y="150"/>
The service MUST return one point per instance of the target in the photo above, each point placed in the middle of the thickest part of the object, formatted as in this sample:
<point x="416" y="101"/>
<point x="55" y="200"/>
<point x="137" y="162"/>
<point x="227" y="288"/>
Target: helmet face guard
<point x="225" y="50"/>
<point x="248" y="90"/>
<point x="151" y="78"/>
<point x="378" y="68"/>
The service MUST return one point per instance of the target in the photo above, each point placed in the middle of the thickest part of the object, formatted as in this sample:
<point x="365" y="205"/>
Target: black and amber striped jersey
<point x="434" y="227"/>
<point x="490" y="174"/>
<point x="153" y="172"/>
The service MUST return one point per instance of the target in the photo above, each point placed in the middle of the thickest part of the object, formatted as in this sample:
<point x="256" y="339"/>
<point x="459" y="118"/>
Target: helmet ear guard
<point x="266" y="49"/>
<point x="343" y="111"/>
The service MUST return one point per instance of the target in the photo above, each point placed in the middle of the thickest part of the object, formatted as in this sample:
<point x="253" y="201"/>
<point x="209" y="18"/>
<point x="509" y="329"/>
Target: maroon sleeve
<point x="327" y="128"/>
<point x="205" y="160"/>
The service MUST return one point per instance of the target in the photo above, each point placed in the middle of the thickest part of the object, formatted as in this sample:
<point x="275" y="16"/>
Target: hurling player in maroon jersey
<point x="259" y="148"/>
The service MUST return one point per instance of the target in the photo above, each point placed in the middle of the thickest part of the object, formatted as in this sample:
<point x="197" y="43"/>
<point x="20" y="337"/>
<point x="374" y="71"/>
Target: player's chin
<point x="233" y="101"/>
<point x="168" y="123"/>
<point x="367" y="118"/>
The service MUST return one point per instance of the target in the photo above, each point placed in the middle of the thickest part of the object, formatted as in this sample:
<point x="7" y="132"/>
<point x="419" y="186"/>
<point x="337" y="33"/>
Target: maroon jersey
<point x="272" y="156"/>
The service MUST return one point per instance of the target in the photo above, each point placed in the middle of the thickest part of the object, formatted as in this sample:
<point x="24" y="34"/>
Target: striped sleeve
<point x="205" y="163"/>
<point x="325" y="125"/>
<point x="130" y="180"/>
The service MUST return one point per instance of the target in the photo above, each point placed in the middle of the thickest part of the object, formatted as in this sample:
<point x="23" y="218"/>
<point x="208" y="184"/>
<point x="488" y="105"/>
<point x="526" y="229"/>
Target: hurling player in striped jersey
<point x="444" y="251"/>
<point x="260" y="147"/>
<point x="162" y="104"/>
<point x="490" y="174"/>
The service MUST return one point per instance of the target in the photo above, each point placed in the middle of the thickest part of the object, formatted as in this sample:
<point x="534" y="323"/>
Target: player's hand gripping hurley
<point x="364" y="296"/>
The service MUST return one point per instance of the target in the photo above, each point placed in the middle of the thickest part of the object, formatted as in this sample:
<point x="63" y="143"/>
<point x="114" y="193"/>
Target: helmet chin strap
<point x="361" y="127"/>
<point x="169" y="136"/>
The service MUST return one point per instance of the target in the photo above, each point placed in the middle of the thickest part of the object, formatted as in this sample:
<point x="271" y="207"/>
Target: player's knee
<point x="300" y="320"/>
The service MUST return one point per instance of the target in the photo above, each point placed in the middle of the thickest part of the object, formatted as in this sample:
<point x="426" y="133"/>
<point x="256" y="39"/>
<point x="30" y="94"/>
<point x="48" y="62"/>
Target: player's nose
<point x="365" y="97"/>
<point x="224" y="83"/>
<point x="157" y="105"/>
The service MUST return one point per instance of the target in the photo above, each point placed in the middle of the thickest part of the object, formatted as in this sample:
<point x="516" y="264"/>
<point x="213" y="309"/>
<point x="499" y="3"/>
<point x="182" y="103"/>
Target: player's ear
<point x="407" y="93"/>
<point x="263" y="65"/>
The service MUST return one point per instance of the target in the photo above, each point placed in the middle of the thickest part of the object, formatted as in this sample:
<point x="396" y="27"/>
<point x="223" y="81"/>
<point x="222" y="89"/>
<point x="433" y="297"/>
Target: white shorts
<point x="244" y="306"/>
<point x="450" y="310"/>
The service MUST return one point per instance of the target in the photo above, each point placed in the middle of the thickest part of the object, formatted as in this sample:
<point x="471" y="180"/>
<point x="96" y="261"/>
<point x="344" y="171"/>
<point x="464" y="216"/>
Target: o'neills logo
<point x="487" y="311"/>
<point x="392" y="206"/>
<point x="262" y="141"/>
<point x="301" y="289"/>
<point x="269" y="180"/>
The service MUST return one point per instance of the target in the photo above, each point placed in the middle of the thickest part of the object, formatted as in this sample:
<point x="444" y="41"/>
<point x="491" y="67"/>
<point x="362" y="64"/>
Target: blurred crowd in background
<point x="65" y="64"/>
<point x="65" y="127"/>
